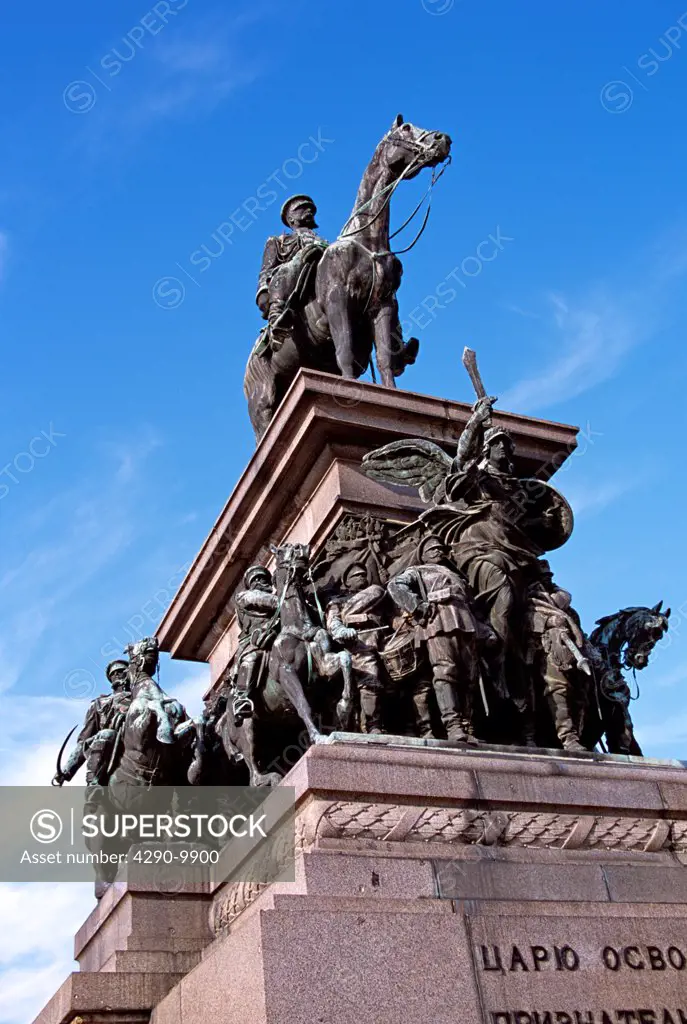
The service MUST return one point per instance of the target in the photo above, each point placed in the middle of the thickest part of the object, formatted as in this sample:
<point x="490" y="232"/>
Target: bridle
<point x="414" y="146"/>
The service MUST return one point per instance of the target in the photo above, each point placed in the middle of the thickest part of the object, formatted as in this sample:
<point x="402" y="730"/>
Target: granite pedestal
<point x="434" y="883"/>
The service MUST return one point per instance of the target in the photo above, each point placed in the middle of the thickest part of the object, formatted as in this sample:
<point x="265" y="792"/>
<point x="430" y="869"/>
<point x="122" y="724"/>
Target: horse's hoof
<point x="267" y="780"/>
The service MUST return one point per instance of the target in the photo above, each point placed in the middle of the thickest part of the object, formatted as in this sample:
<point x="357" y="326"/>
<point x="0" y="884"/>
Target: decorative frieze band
<point x="400" y="823"/>
<point x="534" y="830"/>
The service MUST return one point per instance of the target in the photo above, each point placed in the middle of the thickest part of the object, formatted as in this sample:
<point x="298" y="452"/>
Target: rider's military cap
<point x="255" y="570"/>
<point x="295" y="199"/>
<point x="115" y="664"/>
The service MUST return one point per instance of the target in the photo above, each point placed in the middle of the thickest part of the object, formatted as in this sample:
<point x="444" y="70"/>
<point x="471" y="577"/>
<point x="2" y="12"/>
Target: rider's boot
<point x="242" y="708"/>
<point x="371" y="707"/>
<point x="278" y="318"/>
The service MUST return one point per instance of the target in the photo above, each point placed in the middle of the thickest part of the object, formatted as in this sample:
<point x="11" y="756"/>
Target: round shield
<point x="547" y="517"/>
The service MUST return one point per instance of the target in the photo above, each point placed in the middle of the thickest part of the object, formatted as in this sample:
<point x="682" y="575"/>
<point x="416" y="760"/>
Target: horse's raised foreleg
<point x="387" y="334"/>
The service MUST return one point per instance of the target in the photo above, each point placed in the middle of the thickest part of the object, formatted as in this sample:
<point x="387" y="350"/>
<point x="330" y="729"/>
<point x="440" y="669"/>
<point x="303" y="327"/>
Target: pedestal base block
<point x="434" y="885"/>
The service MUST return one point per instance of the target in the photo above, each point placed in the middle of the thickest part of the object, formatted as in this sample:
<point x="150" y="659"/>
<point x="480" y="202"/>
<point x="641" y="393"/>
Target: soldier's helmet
<point x="354" y="567"/>
<point x="494" y="434"/>
<point x="256" y="572"/>
<point x="293" y="201"/>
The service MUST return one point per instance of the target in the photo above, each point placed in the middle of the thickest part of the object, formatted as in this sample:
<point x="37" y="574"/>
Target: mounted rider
<point x="289" y="263"/>
<point x="95" y="745"/>
<point x="257" y="609"/>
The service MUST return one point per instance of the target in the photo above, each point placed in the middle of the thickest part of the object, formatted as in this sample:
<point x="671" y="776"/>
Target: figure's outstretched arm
<point x="472" y="438"/>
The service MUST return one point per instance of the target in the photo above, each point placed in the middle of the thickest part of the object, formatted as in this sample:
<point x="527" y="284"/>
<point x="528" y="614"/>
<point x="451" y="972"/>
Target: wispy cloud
<point x="52" y="553"/>
<point x="589" y="498"/>
<point x="591" y="336"/>
<point x="184" y="72"/>
<point x="590" y="339"/>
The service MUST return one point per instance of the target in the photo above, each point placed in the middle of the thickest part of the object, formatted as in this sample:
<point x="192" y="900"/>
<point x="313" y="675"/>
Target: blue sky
<point x="132" y="137"/>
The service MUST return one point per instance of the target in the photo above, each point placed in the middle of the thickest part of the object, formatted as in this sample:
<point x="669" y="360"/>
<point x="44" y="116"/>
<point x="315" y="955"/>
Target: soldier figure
<point x="435" y="594"/>
<point x="556" y="650"/>
<point x="257" y="612"/>
<point x="360" y="607"/>
<point x="96" y="742"/>
<point x="287" y="265"/>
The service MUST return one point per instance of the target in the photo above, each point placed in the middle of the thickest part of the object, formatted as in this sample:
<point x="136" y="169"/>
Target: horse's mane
<point x="622" y="616"/>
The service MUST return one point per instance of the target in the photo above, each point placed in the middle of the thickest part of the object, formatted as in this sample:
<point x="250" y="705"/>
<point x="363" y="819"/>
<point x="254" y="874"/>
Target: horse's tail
<point x="260" y="387"/>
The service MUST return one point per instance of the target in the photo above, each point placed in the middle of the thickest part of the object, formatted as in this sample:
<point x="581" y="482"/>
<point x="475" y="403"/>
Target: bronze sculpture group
<point x="450" y="628"/>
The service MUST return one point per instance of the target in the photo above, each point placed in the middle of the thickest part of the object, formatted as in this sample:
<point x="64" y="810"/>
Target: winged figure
<point x="495" y="524"/>
<point x="417" y="463"/>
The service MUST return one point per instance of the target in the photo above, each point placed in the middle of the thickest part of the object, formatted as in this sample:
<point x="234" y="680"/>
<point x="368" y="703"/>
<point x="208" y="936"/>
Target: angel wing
<point x="416" y="463"/>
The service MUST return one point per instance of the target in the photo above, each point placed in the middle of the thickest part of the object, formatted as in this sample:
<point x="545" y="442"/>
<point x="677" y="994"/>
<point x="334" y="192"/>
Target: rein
<point x="388" y="192"/>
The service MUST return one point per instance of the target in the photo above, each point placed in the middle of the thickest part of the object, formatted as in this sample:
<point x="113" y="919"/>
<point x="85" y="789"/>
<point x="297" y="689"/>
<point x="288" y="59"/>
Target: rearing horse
<point x="354" y="307"/>
<point x="156" y="733"/>
<point x="301" y="660"/>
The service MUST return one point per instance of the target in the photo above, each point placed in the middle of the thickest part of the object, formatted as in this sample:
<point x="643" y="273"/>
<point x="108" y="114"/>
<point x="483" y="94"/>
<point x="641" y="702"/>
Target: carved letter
<point x="517" y="960"/>
<point x="656" y="958"/>
<point x="629" y="954"/>
<point x="611" y="958"/>
<point x="496" y="966"/>
<point x="676" y="958"/>
<point x="566" y="958"/>
<point x="539" y="955"/>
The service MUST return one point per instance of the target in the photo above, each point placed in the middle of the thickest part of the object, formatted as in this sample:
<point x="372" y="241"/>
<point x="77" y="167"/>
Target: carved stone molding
<point x="534" y="830"/>
<point x="392" y="823"/>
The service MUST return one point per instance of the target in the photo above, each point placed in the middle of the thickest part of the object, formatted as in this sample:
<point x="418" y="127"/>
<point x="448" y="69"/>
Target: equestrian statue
<point x="328" y="306"/>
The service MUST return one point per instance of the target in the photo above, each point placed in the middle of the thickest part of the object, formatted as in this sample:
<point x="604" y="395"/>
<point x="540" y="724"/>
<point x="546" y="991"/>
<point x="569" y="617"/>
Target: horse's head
<point x="632" y="633"/>
<point x="143" y="657"/>
<point x="293" y="561"/>
<point x="644" y="630"/>
<point x="407" y="148"/>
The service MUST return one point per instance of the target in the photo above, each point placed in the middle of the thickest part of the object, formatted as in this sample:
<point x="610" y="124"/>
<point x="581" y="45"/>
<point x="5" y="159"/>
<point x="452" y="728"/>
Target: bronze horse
<point x="621" y="641"/>
<point x="302" y="659"/>
<point x="353" y="308"/>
